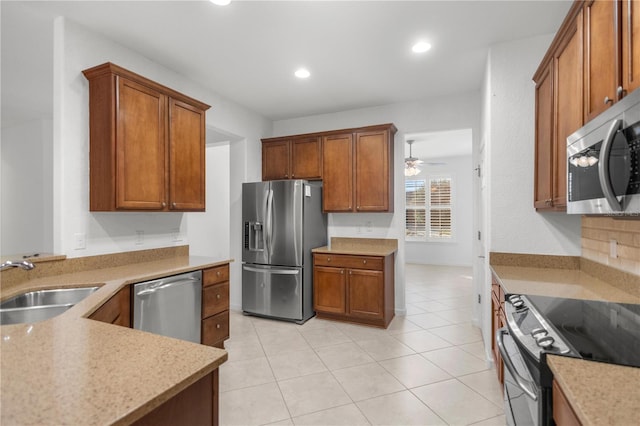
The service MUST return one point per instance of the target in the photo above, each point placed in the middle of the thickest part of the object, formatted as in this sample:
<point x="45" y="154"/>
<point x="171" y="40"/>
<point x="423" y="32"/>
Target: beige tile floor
<point x="427" y="368"/>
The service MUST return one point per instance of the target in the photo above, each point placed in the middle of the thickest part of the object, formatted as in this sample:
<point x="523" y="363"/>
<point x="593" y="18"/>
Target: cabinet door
<point x="630" y="45"/>
<point x="275" y="160"/>
<point x="366" y="294"/>
<point x="186" y="157"/>
<point x="306" y="158"/>
<point x="141" y="147"/>
<point x="568" y="105"/>
<point x="329" y="290"/>
<point x="601" y="67"/>
<point x="372" y="180"/>
<point x="544" y="140"/>
<point x="337" y="173"/>
<point x="116" y="310"/>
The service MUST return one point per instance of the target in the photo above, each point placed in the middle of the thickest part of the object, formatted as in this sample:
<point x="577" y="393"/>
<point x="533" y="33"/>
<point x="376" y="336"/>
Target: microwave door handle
<point x="603" y="167"/>
<point x="522" y="383"/>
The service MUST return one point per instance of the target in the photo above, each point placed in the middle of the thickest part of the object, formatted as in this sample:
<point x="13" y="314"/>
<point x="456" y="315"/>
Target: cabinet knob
<point x="328" y="259"/>
<point x="548" y="202"/>
<point x="217" y="325"/>
<point x="350" y="272"/>
<point x="342" y="272"/>
<point x="173" y="205"/>
<point x="286" y="175"/>
<point x="620" y="92"/>
<point x="218" y="296"/>
<point x="364" y="261"/>
<point x="164" y="204"/>
<point x="607" y="100"/>
<point x="218" y="273"/>
<point x="293" y="175"/>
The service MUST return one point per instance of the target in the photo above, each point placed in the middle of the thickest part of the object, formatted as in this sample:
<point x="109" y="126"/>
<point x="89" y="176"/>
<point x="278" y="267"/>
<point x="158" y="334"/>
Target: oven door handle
<point x="522" y="383"/>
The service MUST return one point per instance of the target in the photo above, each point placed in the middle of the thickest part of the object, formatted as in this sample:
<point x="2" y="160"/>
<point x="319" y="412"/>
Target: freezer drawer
<point x="272" y="291"/>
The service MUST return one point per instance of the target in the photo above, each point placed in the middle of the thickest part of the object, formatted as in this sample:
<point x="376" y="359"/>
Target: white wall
<point x="515" y="225"/>
<point x="451" y="112"/>
<point x="26" y="188"/>
<point x="458" y="251"/>
<point x="208" y="232"/>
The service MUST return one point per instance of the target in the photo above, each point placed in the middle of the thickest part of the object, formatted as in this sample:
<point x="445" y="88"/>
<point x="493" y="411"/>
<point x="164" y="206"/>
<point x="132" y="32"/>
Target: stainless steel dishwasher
<point x="170" y="306"/>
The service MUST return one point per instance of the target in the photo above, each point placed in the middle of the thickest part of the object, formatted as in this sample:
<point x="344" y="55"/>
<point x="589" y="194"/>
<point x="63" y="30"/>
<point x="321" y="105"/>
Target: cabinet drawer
<point x="215" y="299"/>
<point x="215" y="328"/>
<point x="347" y="261"/>
<point x="215" y="275"/>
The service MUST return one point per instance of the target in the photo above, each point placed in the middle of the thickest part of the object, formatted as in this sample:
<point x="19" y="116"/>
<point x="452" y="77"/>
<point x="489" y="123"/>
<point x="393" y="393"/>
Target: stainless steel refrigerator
<point x="283" y="221"/>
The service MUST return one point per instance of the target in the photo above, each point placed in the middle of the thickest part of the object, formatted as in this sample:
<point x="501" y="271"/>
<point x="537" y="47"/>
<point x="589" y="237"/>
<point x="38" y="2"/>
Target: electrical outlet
<point x="613" y="249"/>
<point x="80" y="241"/>
<point x="139" y="238"/>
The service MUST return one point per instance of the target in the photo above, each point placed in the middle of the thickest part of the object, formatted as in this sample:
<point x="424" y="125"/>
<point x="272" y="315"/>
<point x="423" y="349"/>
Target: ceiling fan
<point x="411" y="163"/>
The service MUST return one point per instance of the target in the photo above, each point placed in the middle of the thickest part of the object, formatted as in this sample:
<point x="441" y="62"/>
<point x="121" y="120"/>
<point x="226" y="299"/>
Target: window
<point x="415" y="208"/>
<point x="440" y="208"/>
<point x="429" y="213"/>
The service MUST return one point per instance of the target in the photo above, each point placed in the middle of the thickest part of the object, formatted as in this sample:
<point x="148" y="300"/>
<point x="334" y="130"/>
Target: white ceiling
<point x="357" y="51"/>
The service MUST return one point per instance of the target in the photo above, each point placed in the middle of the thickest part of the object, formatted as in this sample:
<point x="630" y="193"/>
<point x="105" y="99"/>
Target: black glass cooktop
<point x="599" y="331"/>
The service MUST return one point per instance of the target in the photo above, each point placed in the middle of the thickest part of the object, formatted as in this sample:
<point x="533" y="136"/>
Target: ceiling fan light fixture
<point x="411" y="163"/>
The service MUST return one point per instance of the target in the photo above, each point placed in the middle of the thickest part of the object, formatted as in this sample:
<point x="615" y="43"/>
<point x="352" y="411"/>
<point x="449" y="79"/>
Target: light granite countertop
<point x="599" y="393"/>
<point x="73" y="370"/>
<point x="360" y="246"/>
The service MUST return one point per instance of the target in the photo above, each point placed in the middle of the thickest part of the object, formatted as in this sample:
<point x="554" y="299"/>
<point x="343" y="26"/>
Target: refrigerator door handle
<point x="269" y="224"/>
<point x="272" y="271"/>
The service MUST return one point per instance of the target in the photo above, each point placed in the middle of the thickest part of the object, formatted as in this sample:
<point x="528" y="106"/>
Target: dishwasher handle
<point x="153" y="289"/>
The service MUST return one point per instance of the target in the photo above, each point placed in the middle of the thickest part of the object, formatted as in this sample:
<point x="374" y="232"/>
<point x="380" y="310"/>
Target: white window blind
<point x="415" y="192"/>
<point x="440" y="226"/>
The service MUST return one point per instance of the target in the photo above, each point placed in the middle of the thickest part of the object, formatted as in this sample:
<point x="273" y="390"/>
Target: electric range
<point x="539" y="325"/>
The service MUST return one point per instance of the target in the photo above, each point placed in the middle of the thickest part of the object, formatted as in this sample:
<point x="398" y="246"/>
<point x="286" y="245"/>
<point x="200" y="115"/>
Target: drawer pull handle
<point x="217" y="325"/>
<point x="328" y="259"/>
<point x="218" y="273"/>
<point x="218" y="296"/>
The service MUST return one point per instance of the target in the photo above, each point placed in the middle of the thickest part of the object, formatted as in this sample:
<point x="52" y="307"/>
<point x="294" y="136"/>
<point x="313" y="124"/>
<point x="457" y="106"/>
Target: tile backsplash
<point x="597" y="234"/>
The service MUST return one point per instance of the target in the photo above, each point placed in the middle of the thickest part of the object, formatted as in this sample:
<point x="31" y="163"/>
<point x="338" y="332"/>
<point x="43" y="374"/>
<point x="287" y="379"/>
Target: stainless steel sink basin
<point x="40" y="305"/>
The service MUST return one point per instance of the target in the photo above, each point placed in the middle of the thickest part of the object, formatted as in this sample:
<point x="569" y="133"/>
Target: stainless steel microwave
<point x="603" y="170"/>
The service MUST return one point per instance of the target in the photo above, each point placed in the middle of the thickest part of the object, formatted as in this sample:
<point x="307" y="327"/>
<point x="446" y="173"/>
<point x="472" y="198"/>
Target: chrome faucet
<point x="24" y="264"/>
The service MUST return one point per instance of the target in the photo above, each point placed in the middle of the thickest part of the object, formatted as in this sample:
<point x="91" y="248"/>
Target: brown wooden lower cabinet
<point x="116" y="310"/>
<point x="354" y="288"/>
<point x="563" y="414"/>
<point x="215" y="306"/>
<point x="497" y="322"/>
<point x="196" y="405"/>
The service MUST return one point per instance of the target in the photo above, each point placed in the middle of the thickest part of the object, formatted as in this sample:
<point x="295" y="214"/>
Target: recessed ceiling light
<point x="220" y="2"/>
<point x="421" y="47"/>
<point x="302" y="73"/>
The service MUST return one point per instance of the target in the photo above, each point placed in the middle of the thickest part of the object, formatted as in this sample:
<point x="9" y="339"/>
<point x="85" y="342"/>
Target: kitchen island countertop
<point x="74" y="370"/>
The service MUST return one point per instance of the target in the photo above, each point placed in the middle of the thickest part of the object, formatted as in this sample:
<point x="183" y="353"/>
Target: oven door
<point x="522" y="396"/>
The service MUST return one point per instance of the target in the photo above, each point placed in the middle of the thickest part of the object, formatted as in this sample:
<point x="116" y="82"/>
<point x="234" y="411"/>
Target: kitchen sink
<point x="40" y="305"/>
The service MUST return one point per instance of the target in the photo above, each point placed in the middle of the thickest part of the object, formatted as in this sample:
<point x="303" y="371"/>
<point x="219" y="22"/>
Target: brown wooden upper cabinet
<point x="146" y="144"/>
<point x="558" y="112"/>
<point x="358" y="170"/>
<point x="612" y="53"/>
<point x="292" y="158"/>
<point x="593" y="62"/>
